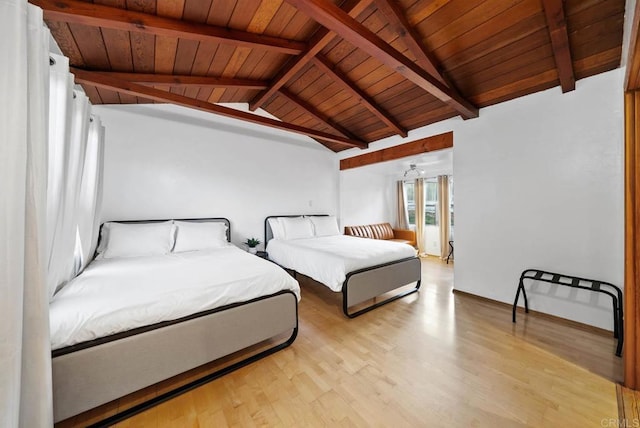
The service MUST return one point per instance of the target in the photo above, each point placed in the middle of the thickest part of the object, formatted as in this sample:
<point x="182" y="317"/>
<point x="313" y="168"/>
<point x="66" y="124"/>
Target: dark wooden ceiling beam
<point x="319" y="40"/>
<point x="557" y="25"/>
<point x="184" y="81"/>
<point x="336" y="20"/>
<point x="104" y="81"/>
<point x="410" y="37"/>
<point x="95" y="15"/>
<point x="412" y="40"/>
<point x="315" y="113"/>
<point x="423" y="145"/>
<point x="365" y="100"/>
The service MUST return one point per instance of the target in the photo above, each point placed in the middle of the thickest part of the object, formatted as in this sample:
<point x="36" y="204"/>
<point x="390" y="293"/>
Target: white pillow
<point x="276" y="228"/>
<point x="325" y="226"/>
<point x="297" y="227"/>
<point x="205" y="235"/>
<point x="137" y="239"/>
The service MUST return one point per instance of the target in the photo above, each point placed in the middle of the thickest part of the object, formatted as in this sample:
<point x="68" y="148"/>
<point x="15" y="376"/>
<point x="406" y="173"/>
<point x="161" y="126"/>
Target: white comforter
<point x="328" y="259"/>
<point x="115" y="295"/>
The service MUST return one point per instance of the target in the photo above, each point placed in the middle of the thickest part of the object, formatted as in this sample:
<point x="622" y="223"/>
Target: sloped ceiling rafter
<point x="177" y="80"/>
<point x="556" y="21"/>
<point x="109" y="82"/>
<point x="336" y="20"/>
<point x="405" y="31"/>
<point x="320" y="39"/>
<point x="362" y="97"/>
<point x="315" y="113"/>
<point x="412" y="40"/>
<point x="73" y="11"/>
<point x="347" y="70"/>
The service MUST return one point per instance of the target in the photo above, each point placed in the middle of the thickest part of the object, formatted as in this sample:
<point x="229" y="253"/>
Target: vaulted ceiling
<point x="346" y="73"/>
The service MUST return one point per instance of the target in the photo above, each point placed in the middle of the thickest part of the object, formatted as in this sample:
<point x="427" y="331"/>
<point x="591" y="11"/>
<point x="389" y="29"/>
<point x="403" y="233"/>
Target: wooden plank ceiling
<point x="343" y="72"/>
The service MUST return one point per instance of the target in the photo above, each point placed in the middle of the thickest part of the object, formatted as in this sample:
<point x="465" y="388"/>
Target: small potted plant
<point x="252" y="243"/>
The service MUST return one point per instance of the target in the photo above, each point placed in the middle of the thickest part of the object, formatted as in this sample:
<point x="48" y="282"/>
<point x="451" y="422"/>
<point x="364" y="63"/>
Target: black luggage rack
<point x="575" y="282"/>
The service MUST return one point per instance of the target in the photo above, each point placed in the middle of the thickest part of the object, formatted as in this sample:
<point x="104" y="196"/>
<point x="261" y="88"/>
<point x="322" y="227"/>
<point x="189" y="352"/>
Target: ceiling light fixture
<point x="413" y="172"/>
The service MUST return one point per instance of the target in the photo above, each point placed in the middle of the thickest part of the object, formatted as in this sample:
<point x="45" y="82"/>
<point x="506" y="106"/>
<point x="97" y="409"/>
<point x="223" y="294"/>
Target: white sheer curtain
<point x="61" y="107"/>
<point x="25" y="350"/>
<point x="70" y="199"/>
<point x="80" y="119"/>
<point x="90" y="198"/>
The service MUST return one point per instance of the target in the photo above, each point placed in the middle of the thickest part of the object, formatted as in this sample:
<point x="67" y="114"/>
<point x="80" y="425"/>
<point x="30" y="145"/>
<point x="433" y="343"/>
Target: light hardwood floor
<point x="435" y="358"/>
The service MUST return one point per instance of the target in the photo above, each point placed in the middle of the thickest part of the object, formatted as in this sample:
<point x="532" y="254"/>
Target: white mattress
<point x="116" y="295"/>
<point x="328" y="259"/>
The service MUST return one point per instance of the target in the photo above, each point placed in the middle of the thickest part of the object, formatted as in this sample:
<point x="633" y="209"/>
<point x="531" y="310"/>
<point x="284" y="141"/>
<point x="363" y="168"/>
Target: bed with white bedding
<point x="360" y="268"/>
<point x="142" y="312"/>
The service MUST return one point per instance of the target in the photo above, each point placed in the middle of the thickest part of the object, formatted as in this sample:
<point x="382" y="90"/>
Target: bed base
<point x="97" y="374"/>
<point x="119" y="417"/>
<point x="368" y="283"/>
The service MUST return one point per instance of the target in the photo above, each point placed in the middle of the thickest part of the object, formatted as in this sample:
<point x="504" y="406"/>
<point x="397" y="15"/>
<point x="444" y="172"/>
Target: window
<point x="431" y="202"/>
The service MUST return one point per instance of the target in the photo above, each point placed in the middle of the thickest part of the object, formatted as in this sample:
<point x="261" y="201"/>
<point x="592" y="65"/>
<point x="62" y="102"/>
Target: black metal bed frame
<point x="345" y="284"/>
<point x="574" y="282"/>
<point x="125" y="414"/>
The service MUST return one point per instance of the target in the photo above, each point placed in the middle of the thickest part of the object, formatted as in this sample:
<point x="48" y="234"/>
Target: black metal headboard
<point x="195" y="220"/>
<point x="268" y="234"/>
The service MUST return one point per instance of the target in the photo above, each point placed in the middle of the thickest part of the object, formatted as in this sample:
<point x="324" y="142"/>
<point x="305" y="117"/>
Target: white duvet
<point x="328" y="259"/>
<point x="116" y="295"/>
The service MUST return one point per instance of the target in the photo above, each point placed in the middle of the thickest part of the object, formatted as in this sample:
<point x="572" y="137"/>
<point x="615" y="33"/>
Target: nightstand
<point x="263" y="254"/>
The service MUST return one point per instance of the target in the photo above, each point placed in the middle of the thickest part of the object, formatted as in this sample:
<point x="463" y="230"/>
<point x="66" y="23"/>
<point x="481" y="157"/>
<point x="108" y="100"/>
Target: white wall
<point x="539" y="183"/>
<point x="164" y="161"/>
<point x="366" y="198"/>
